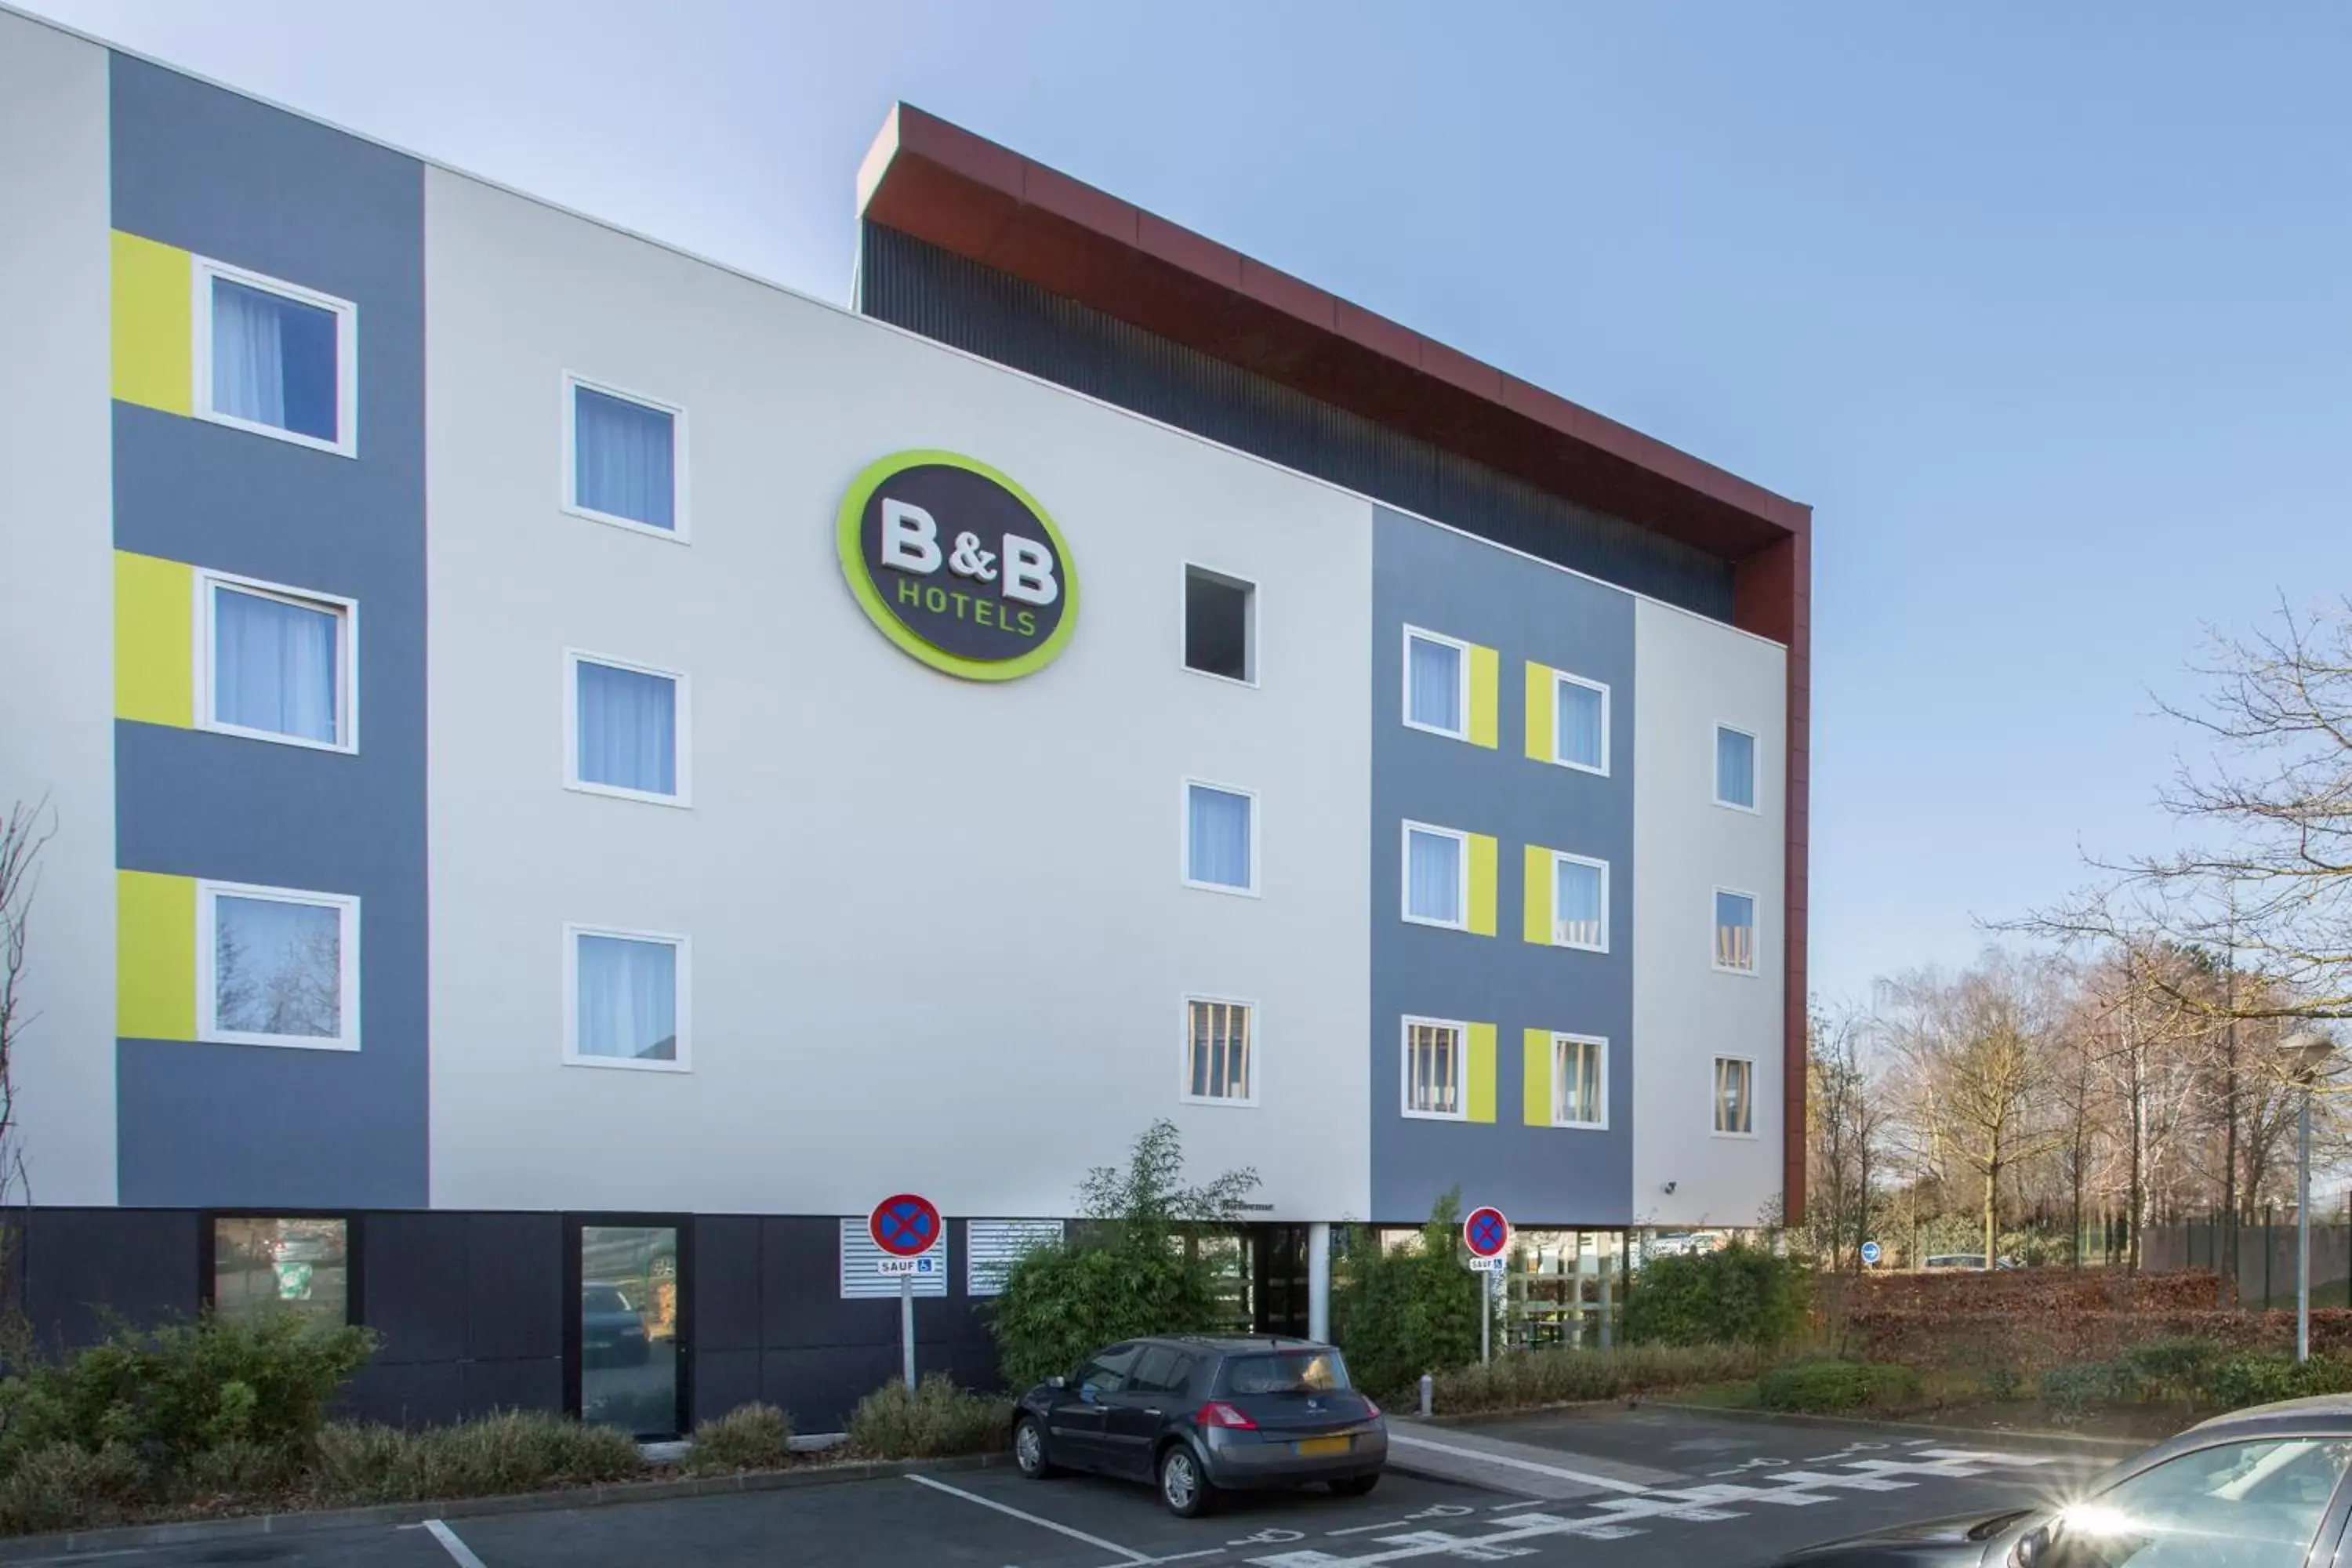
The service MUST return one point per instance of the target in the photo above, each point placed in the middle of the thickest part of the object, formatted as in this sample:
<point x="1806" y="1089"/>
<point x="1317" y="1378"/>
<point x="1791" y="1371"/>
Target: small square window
<point x="274" y="358"/>
<point x="1735" y="768"/>
<point x="1735" y="1097"/>
<point x="1580" y="1081"/>
<point x="1219" y="837"/>
<point x="282" y="1265"/>
<point x="1580" y="909"/>
<point x="277" y="664"/>
<point x="628" y="1000"/>
<point x="1436" y="876"/>
<point x="1219" y="1052"/>
<point x="1220" y="624"/>
<point x="1433" y="1068"/>
<point x="277" y="967"/>
<point x="627" y="726"/>
<point x="623" y="458"/>
<point x="1437" y="683"/>
<point x="1735" y="931"/>
<point x="1580" y="731"/>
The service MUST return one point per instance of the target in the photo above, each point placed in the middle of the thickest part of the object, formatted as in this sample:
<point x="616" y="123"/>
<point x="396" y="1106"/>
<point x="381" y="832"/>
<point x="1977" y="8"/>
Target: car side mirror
<point x="1058" y="1381"/>
<point x="2038" y="1547"/>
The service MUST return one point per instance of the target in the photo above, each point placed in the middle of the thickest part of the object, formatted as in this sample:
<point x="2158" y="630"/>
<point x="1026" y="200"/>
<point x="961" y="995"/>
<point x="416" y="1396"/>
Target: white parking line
<point x="1110" y="1546"/>
<point x="1480" y="1456"/>
<point x="463" y="1553"/>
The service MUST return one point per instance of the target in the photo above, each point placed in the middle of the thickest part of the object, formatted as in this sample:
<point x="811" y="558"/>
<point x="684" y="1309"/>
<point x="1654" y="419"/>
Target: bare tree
<point x="23" y="833"/>
<point x="1846" y="1118"/>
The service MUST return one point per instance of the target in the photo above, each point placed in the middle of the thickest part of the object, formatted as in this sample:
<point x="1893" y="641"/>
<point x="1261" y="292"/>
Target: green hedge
<point x="938" y="1419"/>
<point x="1528" y="1378"/>
<point x="1828" y="1387"/>
<point x="1737" y="1295"/>
<point x="1399" y="1312"/>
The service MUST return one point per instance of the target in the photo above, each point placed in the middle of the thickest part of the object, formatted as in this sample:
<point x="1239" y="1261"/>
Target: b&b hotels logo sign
<point x="958" y="565"/>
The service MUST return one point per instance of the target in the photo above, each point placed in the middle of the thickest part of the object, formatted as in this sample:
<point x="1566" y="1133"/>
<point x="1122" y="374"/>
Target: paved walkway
<point x="1471" y="1458"/>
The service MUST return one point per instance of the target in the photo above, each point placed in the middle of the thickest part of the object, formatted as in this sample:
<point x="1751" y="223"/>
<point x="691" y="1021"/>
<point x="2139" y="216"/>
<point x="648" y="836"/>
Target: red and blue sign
<point x="905" y="1224"/>
<point x="1487" y="1233"/>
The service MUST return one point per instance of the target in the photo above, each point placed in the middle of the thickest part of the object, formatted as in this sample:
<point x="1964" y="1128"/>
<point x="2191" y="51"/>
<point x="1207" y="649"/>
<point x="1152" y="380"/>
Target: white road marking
<point x="457" y="1549"/>
<point x="1110" y="1546"/>
<point x="1479" y="1455"/>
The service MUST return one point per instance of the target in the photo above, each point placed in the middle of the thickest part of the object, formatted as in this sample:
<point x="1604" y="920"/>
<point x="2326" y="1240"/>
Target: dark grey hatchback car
<point x="1196" y="1416"/>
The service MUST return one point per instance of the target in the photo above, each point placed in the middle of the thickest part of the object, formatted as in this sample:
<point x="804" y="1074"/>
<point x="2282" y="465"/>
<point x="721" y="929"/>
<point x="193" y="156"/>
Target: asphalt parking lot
<point x="1737" y="1492"/>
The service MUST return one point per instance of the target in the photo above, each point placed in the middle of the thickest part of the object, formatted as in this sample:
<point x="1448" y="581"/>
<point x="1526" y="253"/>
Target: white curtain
<point x="1433" y="877"/>
<point x="1731" y="1108"/>
<point x="248" y="354"/>
<point x="622" y="458"/>
<point x="274" y="666"/>
<point x="628" y="729"/>
<point x="1436" y="670"/>
<point x="1735" y="767"/>
<point x="1220" y="842"/>
<point x="1579" y="730"/>
<point x="1578" y="903"/>
<point x="1580" y="1081"/>
<point x="628" y="999"/>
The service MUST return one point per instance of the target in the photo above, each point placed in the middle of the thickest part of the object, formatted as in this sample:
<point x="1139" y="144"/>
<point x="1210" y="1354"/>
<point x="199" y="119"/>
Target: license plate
<point x="1322" y="1446"/>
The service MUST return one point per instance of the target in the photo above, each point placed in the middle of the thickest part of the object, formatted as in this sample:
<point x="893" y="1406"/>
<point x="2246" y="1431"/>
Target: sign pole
<point x="1486" y="1317"/>
<point x="907" y="1327"/>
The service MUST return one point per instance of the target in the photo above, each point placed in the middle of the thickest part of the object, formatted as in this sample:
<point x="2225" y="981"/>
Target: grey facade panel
<point x="225" y="177"/>
<point x="1426" y="577"/>
<point x="916" y="285"/>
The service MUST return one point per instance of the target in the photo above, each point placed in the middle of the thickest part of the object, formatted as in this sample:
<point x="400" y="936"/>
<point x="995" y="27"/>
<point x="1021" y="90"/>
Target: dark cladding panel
<point x="80" y="1264"/>
<point x="413" y="1270"/>
<point x="723" y="1297"/>
<point x="515" y="1308"/>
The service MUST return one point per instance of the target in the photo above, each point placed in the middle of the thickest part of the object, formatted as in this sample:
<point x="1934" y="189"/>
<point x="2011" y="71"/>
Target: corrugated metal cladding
<point x="916" y="285"/>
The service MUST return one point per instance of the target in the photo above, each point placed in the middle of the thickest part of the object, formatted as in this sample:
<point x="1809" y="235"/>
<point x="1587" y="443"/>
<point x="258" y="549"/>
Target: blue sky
<point x="2046" y="310"/>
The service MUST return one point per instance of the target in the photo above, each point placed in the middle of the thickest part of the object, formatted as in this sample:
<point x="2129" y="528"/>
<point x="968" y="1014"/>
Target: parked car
<point x="1942" y="1261"/>
<point x="1200" y="1416"/>
<point x="2262" y="1487"/>
<point x="611" y="1332"/>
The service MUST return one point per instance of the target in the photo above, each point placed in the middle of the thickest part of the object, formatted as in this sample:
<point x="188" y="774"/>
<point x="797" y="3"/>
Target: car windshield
<point x="603" y="1299"/>
<point x="1287" y="1372"/>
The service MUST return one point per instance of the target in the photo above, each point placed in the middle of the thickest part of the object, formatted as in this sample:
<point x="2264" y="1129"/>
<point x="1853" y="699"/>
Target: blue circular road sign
<point x="1871" y="1254"/>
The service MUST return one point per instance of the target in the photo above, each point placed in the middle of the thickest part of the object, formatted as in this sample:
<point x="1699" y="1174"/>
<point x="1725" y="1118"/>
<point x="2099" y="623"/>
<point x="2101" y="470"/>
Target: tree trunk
<point x="1991" y="1211"/>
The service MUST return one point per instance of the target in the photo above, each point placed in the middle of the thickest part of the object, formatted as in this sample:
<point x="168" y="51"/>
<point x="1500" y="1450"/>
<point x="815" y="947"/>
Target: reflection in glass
<point x="628" y="1328"/>
<point x="298" y="1266"/>
<point x="277" y="967"/>
<point x="2243" y="1505"/>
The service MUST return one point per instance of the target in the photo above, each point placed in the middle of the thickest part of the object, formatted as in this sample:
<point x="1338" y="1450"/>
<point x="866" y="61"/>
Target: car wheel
<point x="1029" y="1449"/>
<point x="1183" y="1487"/>
<point x="1356" y="1486"/>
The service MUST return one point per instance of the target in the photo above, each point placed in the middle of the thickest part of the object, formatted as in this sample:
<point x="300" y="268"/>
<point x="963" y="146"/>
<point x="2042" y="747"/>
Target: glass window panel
<point x="274" y="665"/>
<point x="1579" y="1080"/>
<point x="1580" y="907"/>
<point x="1432" y="1068"/>
<point x="1216" y="625"/>
<point x="1579" y="729"/>
<point x="2250" y="1505"/>
<point x="274" y="360"/>
<point x="1435" y="697"/>
<point x="1433" y="877"/>
<point x="1735" y="768"/>
<point x="1735" y="1109"/>
<point x="629" y="1314"/>
<point x="277" y="967"/>
<point x="628" y="1004"/>
<point x="1218" y="841"/>
<point x="283" y="1265"/>
<point x="623" y="458"/>
<point x="1219" y="1067"/>
<point x="1735" y="930"/>
<point x="627" y="728"/>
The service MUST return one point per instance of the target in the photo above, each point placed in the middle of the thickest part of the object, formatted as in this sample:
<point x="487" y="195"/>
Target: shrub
<point x="513" y="1451"/>
<point x="2258" y="1377"/>
<point x="1737" y="1295"/>
<point x="748" y="1437"/>
<point x="1527" y="1378"/>
<point x="2073" y="1391"/>
<point x="57" y="1486"/>
<point x="2173" y="1368"/>
<point x="1825" y="1387"/>
<point x="938" y="1419"/>
<point x="1398" y="1313"/>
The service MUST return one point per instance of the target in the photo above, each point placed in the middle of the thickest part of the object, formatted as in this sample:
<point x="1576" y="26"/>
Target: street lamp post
<point x="2308" y="1055"/>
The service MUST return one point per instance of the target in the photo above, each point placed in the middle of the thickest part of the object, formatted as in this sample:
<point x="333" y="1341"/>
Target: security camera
<point x="1670" y="1189"/>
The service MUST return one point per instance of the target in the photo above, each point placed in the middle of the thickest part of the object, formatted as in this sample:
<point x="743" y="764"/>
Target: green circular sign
<point x="958" y="565"/>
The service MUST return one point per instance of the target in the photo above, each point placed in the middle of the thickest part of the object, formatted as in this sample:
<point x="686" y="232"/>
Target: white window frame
<point x="1461" y="1068"/>
<point x="1755" y="927"/>
<point x="682" y="712"/>
<point x="1558" y="855"/>
<point x="347" y="657"/>
<point x="682" y="989"/>
<point x="677" y="471"/>
<point x="1249" y="623"/>
<point x="1755" y="768"/>
<point x="1462" y="682"/>
<point x="1715" y="1097"/>
<point x="1404" y="875"/>
<point x="1252" y="1057"/>
<point x="202" y="272"/>
<point x="1184" y="836"/>
<point x="1562" y="677"/>
<point x="1597" y="1042"/>
<point x="347" y="907"/>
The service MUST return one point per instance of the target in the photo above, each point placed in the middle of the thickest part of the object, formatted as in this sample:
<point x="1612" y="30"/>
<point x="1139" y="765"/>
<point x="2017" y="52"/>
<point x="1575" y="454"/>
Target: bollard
<point x="1427" y="1383"/>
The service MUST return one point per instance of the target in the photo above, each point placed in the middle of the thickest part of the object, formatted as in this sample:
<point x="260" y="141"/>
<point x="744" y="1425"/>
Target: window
<point x="1579" y="907"/>
<point x="1436" y="876"/>
<point x="275" y="358"/>
<point x="1735" y="931"/>
<point x="1106" y="1374"/>
<point x="2265" y="1498"/>
<point x="626" y="999"/>
<point x="1735" y="768"/>
<point x="298" y="1266"/>
<point x="622" y="458"/>
<point x="1219" y="837"/>
<point x="627" y="730"/>
<point x="629" y="1319"/>
<point x="1437" y="683"/>
<point x="1160" y="1369"/>
<point x="1433" y="1068"/>
<point x="1735" y="1097"/>
<point x="277" y="664"/>
<point x="1217" y="1065"/>
<point x="1220" y="624"/>
<point x="1580" y="729"/>
<point x="282" y="968"/>
<point x="1580" y="1081"/>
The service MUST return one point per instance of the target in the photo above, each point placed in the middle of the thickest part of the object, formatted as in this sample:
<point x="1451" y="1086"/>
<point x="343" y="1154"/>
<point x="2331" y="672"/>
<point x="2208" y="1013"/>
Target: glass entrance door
<point x="629" y="1328"/>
